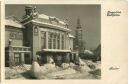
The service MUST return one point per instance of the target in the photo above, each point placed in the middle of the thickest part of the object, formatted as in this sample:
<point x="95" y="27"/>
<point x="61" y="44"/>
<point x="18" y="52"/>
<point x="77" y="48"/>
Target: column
<point x="46" y="40"/>
<point x="30" y="54"/>
<point x="60" y="42"/>
<point x="35" y="41"/>
<point x="11" y="56"/>
<point x="52" y="41"/>
<point x="22" y="58"/>
<point x="67" y="58"/>
<point x="64" y="41"/>
<point x="56" y="41"/>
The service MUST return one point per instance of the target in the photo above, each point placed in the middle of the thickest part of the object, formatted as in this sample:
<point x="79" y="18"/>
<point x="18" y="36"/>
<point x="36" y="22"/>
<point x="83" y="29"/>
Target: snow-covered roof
<point x="62" y="22"/>
<point x="43" y="16"/>
<point x="13" y="22"/>
<point x="88" y="52"/>
<point x="52" y="26"/>
<point x="48" y="21"/>
<point x="52" y="18"/>
<point x="55" y="50"/>
<point x="71" y="36"/>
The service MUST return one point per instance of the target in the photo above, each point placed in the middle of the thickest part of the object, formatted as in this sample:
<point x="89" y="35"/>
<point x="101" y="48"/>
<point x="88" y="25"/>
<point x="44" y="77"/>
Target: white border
<point x="113" y="36"/>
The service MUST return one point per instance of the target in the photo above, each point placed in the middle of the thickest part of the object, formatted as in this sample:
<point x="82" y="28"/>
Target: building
<point x="15" y="51"/>
<point x="45" y="37"/>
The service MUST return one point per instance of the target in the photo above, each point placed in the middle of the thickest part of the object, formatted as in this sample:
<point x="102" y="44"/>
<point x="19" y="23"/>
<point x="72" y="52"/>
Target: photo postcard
<point x="64" y="42"/>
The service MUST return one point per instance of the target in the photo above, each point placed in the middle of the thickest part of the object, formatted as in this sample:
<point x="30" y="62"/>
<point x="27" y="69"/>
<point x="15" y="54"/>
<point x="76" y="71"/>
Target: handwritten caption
<point x="113" y="13"/>
<point x="114" y="68"/>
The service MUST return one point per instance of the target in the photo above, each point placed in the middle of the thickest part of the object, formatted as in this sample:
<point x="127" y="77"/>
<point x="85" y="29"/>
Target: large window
<point x="58" y="41"/>
<point x="54" y="41"/>
<point x="62" y="41"/>
<point x="49" y="40"/>
<point x="43" y="39"/>
<point x="17" y="58"/>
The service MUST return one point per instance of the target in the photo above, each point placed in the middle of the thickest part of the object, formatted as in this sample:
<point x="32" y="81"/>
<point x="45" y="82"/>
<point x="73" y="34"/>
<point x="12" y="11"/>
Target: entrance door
<point x="27" y="58"/>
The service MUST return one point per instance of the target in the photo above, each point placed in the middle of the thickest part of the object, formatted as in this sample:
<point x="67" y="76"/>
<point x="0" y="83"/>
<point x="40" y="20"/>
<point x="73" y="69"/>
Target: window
<point x="49" y="40"/>
<point x="62" y="41"/>
<point x="58" y="41"/>
<point x="43" y="40"/>
<point x="17" y="58"/>
<point x="54" y="41"/>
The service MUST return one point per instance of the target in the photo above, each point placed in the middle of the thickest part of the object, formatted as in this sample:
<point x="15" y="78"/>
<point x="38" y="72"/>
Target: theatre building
<point x="39" y="38"/>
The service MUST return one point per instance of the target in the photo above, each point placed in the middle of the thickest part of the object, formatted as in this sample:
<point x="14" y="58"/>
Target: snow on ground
<point x="86" y="70"/>
<point x="16" y="72"/>
<point x="61" y="74"/>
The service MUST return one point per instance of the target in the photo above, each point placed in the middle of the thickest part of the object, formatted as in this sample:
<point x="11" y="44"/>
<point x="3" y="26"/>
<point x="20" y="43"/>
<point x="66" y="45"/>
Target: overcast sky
<point x="90" y="18"/>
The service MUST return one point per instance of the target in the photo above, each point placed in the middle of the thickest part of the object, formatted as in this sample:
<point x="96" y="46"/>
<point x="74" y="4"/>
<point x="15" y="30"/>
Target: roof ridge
<point x="12" y="17"/>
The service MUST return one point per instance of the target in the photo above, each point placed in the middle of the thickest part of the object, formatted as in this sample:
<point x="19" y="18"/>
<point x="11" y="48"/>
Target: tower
<point x="78" y="45"/>
<point x="30" y="12"/>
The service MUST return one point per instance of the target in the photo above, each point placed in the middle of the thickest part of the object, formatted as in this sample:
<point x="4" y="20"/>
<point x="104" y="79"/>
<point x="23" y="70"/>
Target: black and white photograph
<point x="0" y="41"/>
<point x="60" y="41"/>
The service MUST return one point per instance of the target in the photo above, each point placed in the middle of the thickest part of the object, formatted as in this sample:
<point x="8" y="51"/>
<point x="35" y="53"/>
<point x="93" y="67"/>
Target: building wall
<point x="57" y="35"/>
<point x="31" y="39"/>
<point x="71" y="43"/>
<point x="41" y="37"/>
<point x="35" y="41"/>
<point x="15" y="34"/>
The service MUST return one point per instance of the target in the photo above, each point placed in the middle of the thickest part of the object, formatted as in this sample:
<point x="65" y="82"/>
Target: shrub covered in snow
<point x="36" y="70"/>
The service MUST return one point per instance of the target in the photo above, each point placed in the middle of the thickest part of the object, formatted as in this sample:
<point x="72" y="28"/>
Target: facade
<point x="45" y="36"/>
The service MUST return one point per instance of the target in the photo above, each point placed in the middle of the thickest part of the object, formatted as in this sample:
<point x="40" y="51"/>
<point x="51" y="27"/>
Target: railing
<point x="19" y="49"/>
<point x="11" y="54"/>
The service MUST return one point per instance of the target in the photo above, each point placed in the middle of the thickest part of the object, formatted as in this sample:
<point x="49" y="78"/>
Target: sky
<point x="90" y="18"/>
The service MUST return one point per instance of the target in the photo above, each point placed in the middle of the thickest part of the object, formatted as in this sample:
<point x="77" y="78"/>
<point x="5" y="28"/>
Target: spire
<point x="78" y="22"/>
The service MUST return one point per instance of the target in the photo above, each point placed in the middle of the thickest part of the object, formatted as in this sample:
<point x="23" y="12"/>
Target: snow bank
<point x="65" y="65"/>
<point x="48" y="68"/>
<point x="14" y="73"/>
<point x="27" y="67"/>
<point x="36" y="70"/>
<point x="62" y="73"/>
<point x="84" y="66"/>
<point x="98" y="65"/>
<point x="72" y="65"/>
